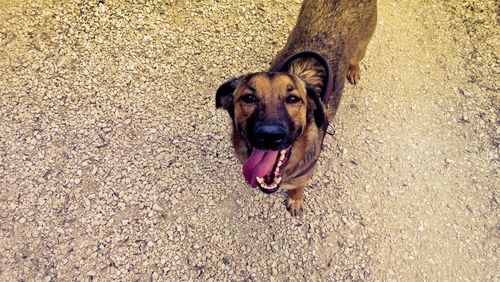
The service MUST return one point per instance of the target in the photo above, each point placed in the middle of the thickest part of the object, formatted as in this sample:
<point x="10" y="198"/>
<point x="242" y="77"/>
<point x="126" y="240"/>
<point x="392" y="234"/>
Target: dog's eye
<point x="292" y="99"/>
<point x="249" y="98"/>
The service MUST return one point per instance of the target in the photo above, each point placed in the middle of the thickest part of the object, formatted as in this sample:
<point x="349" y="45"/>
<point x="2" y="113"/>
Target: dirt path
<point x="426" y="176"/>
<point x="114" y="163"/>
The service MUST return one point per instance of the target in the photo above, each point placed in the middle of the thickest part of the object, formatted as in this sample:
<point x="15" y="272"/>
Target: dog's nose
<point x="270" y="136"/>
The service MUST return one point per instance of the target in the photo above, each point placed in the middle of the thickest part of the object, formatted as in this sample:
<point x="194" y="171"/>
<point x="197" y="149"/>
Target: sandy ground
<point x="114" y="163"/>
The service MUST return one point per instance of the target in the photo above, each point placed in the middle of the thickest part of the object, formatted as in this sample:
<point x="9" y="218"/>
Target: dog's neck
<point x="309" y="70"/>
<point x="313" y="73"/>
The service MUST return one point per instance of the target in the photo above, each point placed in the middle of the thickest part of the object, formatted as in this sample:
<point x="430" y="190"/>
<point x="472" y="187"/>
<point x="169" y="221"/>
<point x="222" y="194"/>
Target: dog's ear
<point x="224" y="95"/>
<point x="315" y="106"/>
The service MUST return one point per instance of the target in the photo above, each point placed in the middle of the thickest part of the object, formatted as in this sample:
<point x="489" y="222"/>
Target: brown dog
<point x="280" y="117"/>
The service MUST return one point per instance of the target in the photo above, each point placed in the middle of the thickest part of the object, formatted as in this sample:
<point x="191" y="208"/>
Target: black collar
<point x="325" y="93"/>
<point x="327" y="80"/>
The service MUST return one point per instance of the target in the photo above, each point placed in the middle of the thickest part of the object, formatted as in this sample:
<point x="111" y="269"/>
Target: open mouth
<point x="265" y="168"/>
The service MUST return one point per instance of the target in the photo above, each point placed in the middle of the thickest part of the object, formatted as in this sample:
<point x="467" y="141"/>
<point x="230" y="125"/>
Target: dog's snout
<point x="270" y="136"/>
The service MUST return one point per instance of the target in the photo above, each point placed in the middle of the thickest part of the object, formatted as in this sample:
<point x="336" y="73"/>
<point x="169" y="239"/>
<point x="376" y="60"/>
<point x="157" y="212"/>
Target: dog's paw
<point x="354" y="73"/>
<point x="295" y="206"/>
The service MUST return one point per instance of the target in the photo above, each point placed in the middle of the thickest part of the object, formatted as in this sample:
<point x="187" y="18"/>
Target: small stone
<point x="157" y="207"/>
<point x="466" y="93"/>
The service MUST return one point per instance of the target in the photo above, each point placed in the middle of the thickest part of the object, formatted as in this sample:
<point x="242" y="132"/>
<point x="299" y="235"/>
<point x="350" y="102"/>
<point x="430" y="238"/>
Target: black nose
<point x="270" y="136"/>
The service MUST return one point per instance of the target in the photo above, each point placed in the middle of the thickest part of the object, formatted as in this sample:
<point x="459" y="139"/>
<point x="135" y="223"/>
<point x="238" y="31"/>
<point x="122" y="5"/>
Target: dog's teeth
<point x="279" y="163"/>
<point x="277" y="180"/>
<point x="262" y="183"/>
<point x="282" y="157"/>
<point x="260" y="180"/>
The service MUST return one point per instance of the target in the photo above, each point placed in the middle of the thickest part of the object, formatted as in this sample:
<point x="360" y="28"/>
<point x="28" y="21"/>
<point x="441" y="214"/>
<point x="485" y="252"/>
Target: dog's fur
<point x="339" y="30"/>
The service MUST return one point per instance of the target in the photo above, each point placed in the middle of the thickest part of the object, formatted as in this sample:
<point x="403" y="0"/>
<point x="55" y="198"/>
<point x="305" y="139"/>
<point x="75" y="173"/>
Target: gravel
<point x="115" y="165"/>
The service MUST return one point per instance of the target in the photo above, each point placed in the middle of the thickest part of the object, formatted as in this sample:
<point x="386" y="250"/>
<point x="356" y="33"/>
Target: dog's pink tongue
<point x="260" y="163"/>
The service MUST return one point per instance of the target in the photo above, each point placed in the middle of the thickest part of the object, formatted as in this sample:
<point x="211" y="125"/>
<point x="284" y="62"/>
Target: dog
<point x="280" y="116"/>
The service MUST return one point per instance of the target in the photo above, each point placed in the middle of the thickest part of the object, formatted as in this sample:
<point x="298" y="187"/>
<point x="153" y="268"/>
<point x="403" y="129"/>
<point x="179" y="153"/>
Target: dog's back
<point x="339" y="30"/>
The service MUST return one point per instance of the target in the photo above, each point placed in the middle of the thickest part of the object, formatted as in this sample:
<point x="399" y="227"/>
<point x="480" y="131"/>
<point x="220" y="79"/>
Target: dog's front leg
<point x="295" y="201"/>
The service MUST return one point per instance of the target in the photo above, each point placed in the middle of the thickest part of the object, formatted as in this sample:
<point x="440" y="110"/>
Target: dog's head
<point x="270" y="110"/>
